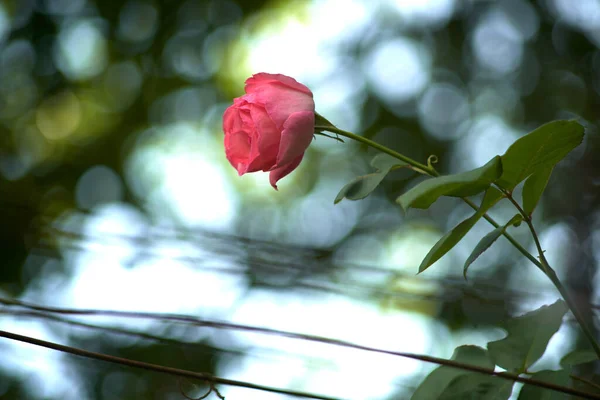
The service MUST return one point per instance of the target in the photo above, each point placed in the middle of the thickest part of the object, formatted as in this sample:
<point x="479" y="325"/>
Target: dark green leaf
<point x="530" y="392"/>
<point x="482" y="246"/>
<point x="477" y="387"/>
<point x="540" y="149"/>
<point x="383" y="162"/>
<point x="450" y="239"/>
<point x="436" y="382"/>
<point x="578" y="357"/>
<point x="528" y="336"/>
<point x="488" y="240"/>
<point x="534" y="187"/>
<point x="459" y="185"/>
<point x="362" y="186"/>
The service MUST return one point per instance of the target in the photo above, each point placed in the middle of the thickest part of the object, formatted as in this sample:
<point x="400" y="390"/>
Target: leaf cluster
<point x="531" y="158"/>
<point x="525" y="343"/>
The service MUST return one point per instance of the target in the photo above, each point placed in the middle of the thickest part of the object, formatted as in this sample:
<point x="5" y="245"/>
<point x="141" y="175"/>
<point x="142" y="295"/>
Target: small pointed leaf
<point x="515" y="221"/>
<point x="320" y="133"/>
<point x="450" y="239"/>
<point x="482" y="246"/>
<point x="534" y="187"/>
<point x="539" y="149"/>
<point x="364" y="185"/>
<point x="322" y="122"/>
<point x="458" y="185"/>
<point x="360" y="187"/>
<point x="530" y="392"/>
<point x="488" y="240"/>
<point x="528" y="336"/>
<point x="440" y="378"/>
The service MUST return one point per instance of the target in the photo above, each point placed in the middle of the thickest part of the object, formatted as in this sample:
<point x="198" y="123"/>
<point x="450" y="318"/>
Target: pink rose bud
<point x="270" y="127"/>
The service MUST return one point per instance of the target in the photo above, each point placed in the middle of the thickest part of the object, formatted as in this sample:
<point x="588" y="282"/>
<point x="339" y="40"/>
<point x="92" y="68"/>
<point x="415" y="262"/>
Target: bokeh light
<point x="81" y="50"/>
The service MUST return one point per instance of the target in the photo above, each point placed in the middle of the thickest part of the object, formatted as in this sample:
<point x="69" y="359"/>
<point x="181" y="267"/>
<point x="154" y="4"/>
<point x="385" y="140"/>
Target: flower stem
<point x="542" y="263"/>
<point x="415" y="164"/>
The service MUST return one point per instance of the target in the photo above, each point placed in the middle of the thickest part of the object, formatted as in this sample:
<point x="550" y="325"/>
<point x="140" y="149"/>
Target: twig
<point x="269" y="331"/>
<point x="158" y="368"/>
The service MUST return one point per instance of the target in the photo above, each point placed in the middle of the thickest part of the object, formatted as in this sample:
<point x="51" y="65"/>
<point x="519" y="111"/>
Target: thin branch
<point x="146" y="336"/>
<point x="121" y="331"/>
<point x="269" y="331"/>
<point x="157" y="368"/>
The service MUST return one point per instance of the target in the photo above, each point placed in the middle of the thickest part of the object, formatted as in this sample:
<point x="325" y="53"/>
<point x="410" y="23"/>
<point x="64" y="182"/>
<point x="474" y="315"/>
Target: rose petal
<point x="245" y="116"/>
<point x="231" y="119"/>
<point x="237" y="144"/>
<point x="262" y="78"/>
<point x="283" y="171"/>
<point x="254" y="163"/>
<point x="281" y="101"/>
<point x="268" y="137"/>
<point x="237" y="150"/>
<point x="241" y="143"/>
<point x="297" y="135"/>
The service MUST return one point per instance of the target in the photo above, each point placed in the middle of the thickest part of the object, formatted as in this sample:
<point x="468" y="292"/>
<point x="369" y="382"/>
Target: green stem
<point x="511" y="239"/>
<point x="417" y="165"/>
<point x="542" y="263"/>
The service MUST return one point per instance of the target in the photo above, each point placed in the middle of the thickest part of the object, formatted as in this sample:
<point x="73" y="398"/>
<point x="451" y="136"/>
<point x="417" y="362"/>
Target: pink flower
<point x="270" y="127"/>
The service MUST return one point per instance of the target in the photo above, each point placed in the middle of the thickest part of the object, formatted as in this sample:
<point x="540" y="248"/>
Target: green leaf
<point x="540" y="149"/>
<point x="488" y="240"/>
<point x="478" y="387"/>
<point x="534" y="187"/>
<point x="450" y="239"/>
<point x="440" y="378"/>
<point x="458" y="185"/>
<point x="528" y="336"/>
<point x="578" y="357"/>
<point x="362" y="186"/>
<point x="530" y="392"/>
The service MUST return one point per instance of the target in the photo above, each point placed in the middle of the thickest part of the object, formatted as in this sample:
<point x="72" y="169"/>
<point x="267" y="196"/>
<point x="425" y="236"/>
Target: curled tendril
<point x="432" y="159"/>
<point x="211" y="389"/>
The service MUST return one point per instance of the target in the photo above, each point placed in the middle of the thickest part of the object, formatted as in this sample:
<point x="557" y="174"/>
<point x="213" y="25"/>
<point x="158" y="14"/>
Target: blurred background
<point x="115" y="192"/>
